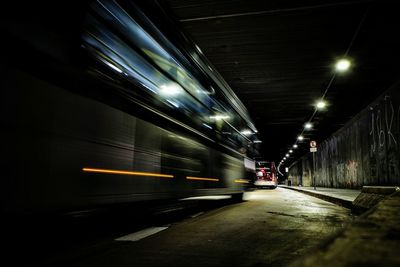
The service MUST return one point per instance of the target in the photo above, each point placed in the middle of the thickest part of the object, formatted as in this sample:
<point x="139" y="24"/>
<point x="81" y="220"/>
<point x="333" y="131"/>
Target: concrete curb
<point x="370" y="196"/>
<point x="382" y="190"/>
<point x="338" y="201"/>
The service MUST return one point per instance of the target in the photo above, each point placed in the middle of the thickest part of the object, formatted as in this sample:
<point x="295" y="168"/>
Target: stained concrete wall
<point x="366" y="151"/>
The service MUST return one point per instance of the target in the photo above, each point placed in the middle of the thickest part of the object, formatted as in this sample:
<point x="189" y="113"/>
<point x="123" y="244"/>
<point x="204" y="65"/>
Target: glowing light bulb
<point x="343" y="65"/>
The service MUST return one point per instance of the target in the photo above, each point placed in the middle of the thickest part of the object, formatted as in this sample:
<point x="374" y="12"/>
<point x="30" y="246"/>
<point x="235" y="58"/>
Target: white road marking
<point x="208" y="197"/>
<point x="197" y="214"/>
<point x="141" y="234"/>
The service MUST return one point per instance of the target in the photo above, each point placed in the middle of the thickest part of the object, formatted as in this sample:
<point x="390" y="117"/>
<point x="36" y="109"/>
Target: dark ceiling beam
<point x="262" y="12"/>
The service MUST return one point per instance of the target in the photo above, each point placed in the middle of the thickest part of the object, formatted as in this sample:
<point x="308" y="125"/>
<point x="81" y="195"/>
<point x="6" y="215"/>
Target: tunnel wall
<point x="366" y="151"/>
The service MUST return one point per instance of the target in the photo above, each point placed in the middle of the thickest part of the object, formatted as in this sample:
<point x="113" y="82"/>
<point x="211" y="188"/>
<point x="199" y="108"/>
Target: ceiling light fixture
<point x="321" y="104"/>
<point x="342" y="65"/>
<point x="308" y="125"/>
<point x="219" y="117"/>
<point x="246" y="132"/>
<point x="171" y="89"/>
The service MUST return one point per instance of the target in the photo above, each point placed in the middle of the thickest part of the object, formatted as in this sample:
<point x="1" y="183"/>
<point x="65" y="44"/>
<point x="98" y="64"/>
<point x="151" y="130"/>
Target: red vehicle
<point x="266" y="174"/>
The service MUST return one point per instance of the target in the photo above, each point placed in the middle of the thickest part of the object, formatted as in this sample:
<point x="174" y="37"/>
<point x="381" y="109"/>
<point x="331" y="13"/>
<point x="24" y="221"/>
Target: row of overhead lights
<point x="341" y="66"/>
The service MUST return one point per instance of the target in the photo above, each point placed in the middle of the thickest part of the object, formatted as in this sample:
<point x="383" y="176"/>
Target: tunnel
<point x="185" y="133"/>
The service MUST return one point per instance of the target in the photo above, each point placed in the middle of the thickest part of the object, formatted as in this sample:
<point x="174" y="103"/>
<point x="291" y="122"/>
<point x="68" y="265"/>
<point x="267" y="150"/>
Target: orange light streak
<point x="241" y="181"/>
<point x="127" y="172"/>
<point x="202" y="179"/>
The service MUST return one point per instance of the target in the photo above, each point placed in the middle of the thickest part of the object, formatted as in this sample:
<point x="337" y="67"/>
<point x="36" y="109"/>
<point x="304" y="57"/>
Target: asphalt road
<point x="270" y="228"/>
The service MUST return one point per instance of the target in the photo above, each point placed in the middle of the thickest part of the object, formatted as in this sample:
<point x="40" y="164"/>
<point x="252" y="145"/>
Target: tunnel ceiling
<point x="279" y="56"/>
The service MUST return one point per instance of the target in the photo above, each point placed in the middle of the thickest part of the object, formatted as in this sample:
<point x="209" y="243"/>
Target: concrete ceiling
<point x="278" y="57"/>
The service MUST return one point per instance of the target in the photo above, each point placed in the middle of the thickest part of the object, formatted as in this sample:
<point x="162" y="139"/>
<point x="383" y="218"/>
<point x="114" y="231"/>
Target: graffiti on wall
<point x="340" y="171"/>
<point x="383" y="121"/>
<point x="384" y="140"/>
<point x="351" y="172"/>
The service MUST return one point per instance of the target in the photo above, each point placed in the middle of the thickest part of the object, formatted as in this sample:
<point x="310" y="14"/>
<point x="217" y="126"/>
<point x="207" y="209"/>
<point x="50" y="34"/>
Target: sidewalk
<point x="343" y="197"/>
<point x="372" y="240"/>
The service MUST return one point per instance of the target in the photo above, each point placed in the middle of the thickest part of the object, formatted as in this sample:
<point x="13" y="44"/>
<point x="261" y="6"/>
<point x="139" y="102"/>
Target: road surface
<point x="270" y="228"/>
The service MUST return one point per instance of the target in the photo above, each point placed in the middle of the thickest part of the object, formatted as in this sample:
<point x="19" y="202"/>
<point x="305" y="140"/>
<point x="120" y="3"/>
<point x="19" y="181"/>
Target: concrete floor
<point x="271" y="228"/>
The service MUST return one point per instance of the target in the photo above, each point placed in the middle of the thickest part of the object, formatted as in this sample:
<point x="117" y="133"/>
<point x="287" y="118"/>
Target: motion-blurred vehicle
<point x="115" y="109"/>
<point x="266" y="175"/>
